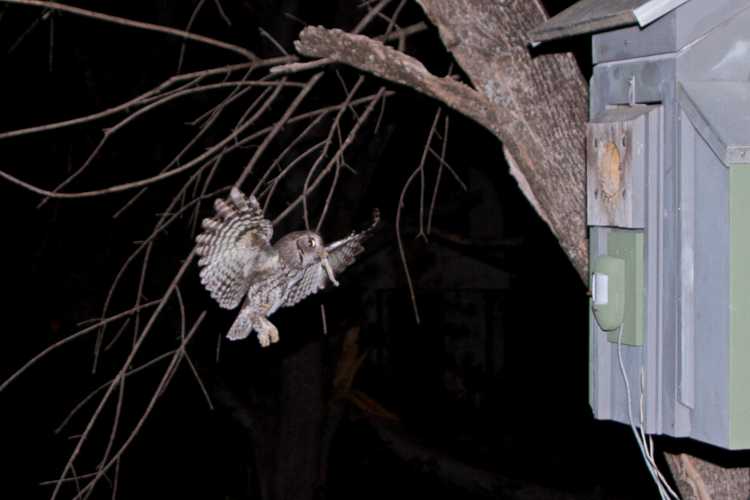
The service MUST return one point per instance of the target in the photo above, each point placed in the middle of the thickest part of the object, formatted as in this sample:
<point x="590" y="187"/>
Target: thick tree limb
<point x="374" y="57"/>
<point x="551" y="180"/>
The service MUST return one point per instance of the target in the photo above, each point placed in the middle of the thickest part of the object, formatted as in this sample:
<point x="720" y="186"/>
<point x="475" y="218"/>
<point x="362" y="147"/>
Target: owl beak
<point x="324" y="262"/>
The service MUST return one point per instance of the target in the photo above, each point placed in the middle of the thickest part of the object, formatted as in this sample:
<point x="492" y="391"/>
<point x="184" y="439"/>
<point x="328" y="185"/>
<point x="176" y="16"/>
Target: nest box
<point x="668" y="210"/>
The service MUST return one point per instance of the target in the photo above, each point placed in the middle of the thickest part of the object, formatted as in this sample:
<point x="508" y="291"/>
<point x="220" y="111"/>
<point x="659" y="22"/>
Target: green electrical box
<point x="617" y="285"/>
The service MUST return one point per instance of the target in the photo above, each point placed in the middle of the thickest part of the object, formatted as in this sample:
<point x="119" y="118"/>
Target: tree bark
<point x="701" y="480"/>
<point x="547" y="95"/>
<point x="537" y="107"/>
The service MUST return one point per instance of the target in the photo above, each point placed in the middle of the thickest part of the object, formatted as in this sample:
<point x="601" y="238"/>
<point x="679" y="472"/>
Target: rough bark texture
<point x="700" y="480"/>
<point x="537" y="107"/>
<point x="547" y="95"/>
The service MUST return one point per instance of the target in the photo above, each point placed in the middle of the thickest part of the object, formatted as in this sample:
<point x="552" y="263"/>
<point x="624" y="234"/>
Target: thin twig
<point x="115" y="424"/>
<point x="203" y="389"/>
<point x="392" y="20"/>
<point x="136" y="24"/>
<point x="128" y="185"/>
<point x="214" y="114"/>
<point x="323" y="321"/>
<point x="131" y="356"/>
<point x="168" y="373"/>
<point x="328" y="142"/>
<point x="211" y="114"/>
<point x="27" y="31"/>
<point x="347" y="142"/>
<point x="50" y="59"/>
<point x="277" y="127"/>
<point x="206" y="184"/>
<point x="329" y="198"/>
<point x="419" y="170"/>
<point x="265" y="34"/>
<point x="223" y="14"/>
<point x="277" y="161"/>
<point x="401" y="251"/>
<point x="117" y="335"/>
<point x="371" y="13"/>
<point x="190" y="22"/>
<point x="312" y="114"/>
<point x="140" y="99"/>
<point x="103" y="386"/>
<point x="163" y="223"/>
<point x="71" y="338"/>
<point x="272" y="188"/>
<point x="450" y="169"/>
<point x="438" y="177"/>
<point x="433" y="129"/>
<point x="115" y="480"/>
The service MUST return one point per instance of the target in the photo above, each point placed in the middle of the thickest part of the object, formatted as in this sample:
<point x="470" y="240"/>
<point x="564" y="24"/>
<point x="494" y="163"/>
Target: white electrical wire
<point x="645" y="443"/>
<point x="647" y="439"/>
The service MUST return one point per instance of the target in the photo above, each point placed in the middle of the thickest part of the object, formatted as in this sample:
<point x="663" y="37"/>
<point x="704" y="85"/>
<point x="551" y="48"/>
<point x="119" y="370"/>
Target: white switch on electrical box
<point x="600" y="289"/>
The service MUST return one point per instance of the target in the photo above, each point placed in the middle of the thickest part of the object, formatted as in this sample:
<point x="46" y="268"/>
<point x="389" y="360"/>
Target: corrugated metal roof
<point x="720" y="112"/>
<point x="589" y="16"/>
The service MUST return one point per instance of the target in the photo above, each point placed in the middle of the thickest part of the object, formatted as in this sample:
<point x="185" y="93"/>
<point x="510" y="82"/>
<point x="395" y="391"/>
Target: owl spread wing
<point x="341" y="254"/>
<point x="234" y="248"/>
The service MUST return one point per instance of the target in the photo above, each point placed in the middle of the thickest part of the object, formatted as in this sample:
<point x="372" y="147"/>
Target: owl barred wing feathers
<point x="310" y="281"/>
<point x="234" y="249"/>
<point x="342" y="253"/>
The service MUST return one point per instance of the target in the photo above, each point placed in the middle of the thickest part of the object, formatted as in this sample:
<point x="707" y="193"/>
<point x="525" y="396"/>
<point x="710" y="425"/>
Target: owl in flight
<point x="239" y="264"/>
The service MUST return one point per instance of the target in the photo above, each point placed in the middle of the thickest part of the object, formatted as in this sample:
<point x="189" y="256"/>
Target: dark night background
<point x="485" y="398"/>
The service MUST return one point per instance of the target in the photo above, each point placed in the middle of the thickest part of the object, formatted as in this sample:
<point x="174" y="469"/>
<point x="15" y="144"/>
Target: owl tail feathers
<point x="242" y="326"/>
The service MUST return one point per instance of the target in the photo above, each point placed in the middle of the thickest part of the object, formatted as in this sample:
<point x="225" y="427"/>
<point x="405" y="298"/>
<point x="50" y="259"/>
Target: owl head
<point x="301" y="248"/>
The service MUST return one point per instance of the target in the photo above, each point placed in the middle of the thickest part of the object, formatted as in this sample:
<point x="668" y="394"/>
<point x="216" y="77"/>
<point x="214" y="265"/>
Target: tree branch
<point x="553" y="184"/>
<point x="374" y="57"/>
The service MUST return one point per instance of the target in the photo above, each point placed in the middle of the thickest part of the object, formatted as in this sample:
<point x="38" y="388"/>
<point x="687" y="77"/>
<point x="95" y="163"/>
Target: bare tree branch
<point x="332" y="162"/>
<point x="296" y="66"/>
<point x="540" y="176"/>
<point x="136" y="24"/>
<point x="327" y="158"/>
<point x="71" y="338"/>
<point x="143" y="98"/>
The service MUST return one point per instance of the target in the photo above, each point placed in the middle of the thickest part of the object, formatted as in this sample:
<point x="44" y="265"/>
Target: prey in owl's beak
<point x="324" y="262"/>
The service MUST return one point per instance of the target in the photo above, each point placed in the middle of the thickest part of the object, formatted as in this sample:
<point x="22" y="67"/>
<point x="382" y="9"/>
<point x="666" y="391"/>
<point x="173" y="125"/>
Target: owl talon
<point x="264" y="339"/>
<point x="267" y="333"/>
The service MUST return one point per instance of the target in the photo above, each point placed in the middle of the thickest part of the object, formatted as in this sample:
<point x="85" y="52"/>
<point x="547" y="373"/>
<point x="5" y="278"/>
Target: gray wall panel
<point x="711" y="417"/>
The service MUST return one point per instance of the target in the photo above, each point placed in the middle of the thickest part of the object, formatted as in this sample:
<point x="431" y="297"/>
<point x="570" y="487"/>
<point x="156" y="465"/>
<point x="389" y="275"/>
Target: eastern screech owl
<point x="238" y="261"/>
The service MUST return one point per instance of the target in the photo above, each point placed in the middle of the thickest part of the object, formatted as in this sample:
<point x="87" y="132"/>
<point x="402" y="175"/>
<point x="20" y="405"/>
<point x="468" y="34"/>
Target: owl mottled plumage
<point x="238" y="261"/>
